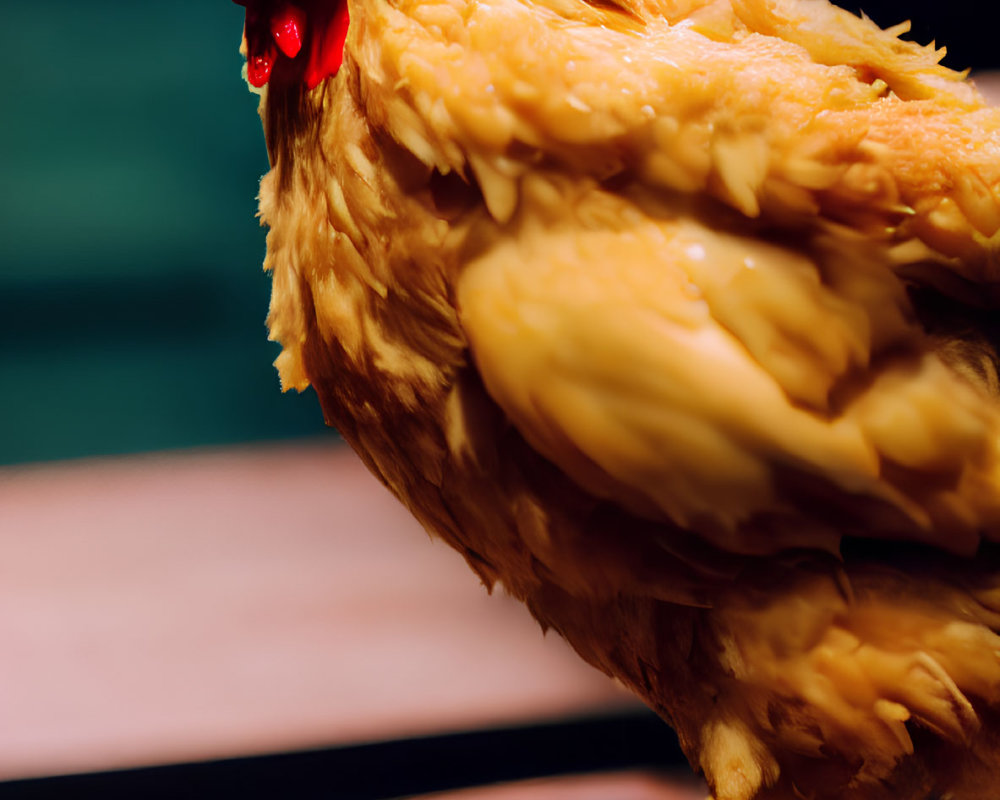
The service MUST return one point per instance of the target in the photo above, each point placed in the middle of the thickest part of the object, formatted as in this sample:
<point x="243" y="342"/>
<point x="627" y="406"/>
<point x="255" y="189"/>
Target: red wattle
<point x="287" y="27"/>
<point x="327" y="53"/>
<point x="259" y="66"/>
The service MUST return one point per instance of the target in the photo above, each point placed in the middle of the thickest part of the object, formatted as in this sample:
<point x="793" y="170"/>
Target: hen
<point x="675" y="317"/>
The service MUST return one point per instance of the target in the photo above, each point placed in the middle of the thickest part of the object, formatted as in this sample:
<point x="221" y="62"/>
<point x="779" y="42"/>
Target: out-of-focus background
<point x="131" y="289"/>
<point x="960" y="26"/>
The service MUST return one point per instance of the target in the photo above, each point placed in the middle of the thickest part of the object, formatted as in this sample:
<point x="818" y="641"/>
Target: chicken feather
<point x="673" y="316"/>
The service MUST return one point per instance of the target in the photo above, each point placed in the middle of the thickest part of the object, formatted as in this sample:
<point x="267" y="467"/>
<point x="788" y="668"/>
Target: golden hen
<point x="675" y="317"/>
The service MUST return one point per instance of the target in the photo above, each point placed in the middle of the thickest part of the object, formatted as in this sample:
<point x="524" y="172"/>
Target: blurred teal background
<point x="131" y="290"/>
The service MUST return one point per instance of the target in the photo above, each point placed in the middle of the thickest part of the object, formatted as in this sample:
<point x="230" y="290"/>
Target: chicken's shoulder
<point x="782" y="110"/>
<point x="739" y="387"/>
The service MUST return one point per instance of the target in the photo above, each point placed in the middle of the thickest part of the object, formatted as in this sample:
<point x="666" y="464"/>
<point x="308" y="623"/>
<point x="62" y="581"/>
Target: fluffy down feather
<point x="674" y="317"/>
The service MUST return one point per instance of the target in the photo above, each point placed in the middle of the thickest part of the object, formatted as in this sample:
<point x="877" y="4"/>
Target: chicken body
<point x="673" y="318"/>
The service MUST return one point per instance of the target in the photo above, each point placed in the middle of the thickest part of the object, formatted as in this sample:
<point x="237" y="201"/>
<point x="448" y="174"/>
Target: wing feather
<point x="740" y="388"/>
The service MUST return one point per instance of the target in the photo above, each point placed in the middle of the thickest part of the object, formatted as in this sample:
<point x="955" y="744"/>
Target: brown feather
<point x="632" y="304"/>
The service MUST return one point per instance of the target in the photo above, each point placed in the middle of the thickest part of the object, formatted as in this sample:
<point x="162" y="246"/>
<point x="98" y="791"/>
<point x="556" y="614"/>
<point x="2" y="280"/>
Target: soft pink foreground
<point x="187" y="606"/>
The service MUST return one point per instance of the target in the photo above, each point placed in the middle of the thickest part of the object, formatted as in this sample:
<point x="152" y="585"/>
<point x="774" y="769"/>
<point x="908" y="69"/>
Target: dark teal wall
<point x="132" y="299"/>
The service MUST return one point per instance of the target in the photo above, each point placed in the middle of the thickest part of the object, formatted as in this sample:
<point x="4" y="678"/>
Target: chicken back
<point x="675" y="317"/>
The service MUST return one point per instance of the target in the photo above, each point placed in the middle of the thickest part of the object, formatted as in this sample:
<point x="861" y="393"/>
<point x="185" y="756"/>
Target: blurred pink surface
<point x="188" y="606"/>
<point x="609" y="786"/>
<point x="989" y="85"/>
